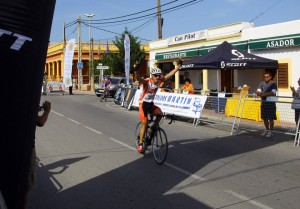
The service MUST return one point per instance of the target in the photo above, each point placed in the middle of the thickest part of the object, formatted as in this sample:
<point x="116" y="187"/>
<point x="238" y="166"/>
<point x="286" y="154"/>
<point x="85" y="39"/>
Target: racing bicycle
<point x="158" y="142"/>
<point x="104" y="95"/>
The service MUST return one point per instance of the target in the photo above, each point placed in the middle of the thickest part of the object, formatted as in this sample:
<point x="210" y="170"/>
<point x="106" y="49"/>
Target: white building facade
<point x="277" y="41"/>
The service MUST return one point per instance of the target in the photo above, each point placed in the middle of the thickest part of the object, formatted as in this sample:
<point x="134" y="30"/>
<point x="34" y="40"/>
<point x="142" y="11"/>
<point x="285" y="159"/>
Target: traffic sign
<point x="102" y="67"/>
<point x="79" y="65"/>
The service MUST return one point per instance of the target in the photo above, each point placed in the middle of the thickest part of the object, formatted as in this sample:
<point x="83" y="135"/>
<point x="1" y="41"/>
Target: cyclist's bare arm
<point x="137" y="75"/>
<point x="172" y="72"/>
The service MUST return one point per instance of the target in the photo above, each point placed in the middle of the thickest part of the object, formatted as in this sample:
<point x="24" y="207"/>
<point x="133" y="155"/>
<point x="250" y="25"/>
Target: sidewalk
<point x="76" y="91"/>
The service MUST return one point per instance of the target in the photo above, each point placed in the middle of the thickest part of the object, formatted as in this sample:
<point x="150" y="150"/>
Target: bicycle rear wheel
<point x="160" y="146"/>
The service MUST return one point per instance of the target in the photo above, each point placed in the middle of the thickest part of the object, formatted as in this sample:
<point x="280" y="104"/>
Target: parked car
<point x="115" y="82"/>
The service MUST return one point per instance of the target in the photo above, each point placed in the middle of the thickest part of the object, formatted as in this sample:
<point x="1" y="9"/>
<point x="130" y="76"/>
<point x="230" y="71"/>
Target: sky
<point x="195" y="16"/>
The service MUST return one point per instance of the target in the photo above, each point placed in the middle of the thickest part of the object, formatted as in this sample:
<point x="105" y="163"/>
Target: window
<point x="283" y="75"/>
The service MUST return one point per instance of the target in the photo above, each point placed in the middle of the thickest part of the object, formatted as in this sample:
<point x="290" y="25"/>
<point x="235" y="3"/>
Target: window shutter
<point x="282" y="75"/>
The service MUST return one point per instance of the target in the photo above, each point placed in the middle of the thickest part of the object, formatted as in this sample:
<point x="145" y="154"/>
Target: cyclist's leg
<point x="144" y="120"/>
<point x="104" y="93"/>
<point x="158" y="113"/>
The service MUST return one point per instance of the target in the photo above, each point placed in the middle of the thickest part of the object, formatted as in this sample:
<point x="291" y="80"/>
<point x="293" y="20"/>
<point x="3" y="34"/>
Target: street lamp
<point x="90" y="67"/>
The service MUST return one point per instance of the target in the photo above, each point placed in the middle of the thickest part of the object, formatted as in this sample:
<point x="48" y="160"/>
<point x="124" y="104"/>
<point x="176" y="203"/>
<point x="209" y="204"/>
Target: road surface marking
<point x="123" y="144"/>
<point x="134" y="149"/>
<point x="195" y="141"/>
<point x="55" y="182"/>
<point x="167" y="164"/>
<point x="248" y="200"/>
<point x="93" y="130"/>
<point x="74" y="121"/>
<point x="57" y="113"/>
<point x="184" y="172"/>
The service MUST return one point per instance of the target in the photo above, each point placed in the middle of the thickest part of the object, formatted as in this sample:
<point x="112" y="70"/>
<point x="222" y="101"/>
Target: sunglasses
<point x="156" y="75"/>
<point x="267" y="76"/>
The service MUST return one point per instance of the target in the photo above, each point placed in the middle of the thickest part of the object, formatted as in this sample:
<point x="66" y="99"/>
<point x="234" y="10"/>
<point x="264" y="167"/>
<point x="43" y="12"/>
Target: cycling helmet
<point x="155" y="70"/>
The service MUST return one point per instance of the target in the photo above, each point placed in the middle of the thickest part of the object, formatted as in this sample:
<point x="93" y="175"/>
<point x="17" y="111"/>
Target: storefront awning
<point x="255" y="44"/>
<point x="275" y="42"/>
<point x="175" y="55"/>
<point x="189" y="53"/>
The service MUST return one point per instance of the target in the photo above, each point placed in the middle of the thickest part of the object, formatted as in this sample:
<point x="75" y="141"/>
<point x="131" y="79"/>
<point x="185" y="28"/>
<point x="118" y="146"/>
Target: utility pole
<point x="79" y="79"/>
<point x="92" y="68"/>
<point x="159" y="20"/>
<point x="90" y="57"/>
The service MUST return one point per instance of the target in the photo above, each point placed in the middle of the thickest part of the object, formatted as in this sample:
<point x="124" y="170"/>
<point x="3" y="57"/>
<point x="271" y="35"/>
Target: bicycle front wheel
<point x="160" y="146"/>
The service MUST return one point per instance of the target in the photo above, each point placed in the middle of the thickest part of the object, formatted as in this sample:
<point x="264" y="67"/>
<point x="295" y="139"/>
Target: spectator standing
<point x="296" y="101"/>
<point x="266" y="89"/>
<point x="188" y="87"/>
<point x="71" y="87"/>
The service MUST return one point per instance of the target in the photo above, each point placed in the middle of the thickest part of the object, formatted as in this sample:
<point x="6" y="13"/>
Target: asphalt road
<point x="87" y="160"/>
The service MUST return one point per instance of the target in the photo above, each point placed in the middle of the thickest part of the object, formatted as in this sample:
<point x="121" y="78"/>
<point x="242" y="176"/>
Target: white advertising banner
<point x="186" y="105"/>
<point x="127" y="57"/>
<point x="136" y="97"/>
<point x="69" y="52"/>
<point x="55" y="86"/>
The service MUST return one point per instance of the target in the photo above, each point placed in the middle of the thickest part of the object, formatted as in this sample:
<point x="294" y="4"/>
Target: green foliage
<point x="106" y="60"/>
<point x="115" y="61"/>
<point x="136" y="53"/>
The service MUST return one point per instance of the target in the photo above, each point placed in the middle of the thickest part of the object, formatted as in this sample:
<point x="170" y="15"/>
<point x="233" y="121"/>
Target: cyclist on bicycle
<point x="107" y="84"/>
<point x="150" y="87"/>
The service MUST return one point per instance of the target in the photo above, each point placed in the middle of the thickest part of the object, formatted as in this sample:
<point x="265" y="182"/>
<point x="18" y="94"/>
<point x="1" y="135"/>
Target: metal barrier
<point x="218" y="109"/>
<point x="125" y="94"/>
<point x="249" y="115"/>
<point x="229" y="109"/>
<point x="54" y="87"/>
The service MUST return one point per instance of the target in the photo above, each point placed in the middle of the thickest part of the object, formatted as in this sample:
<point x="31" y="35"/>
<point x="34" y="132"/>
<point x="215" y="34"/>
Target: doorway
<point x="226" y="80"/>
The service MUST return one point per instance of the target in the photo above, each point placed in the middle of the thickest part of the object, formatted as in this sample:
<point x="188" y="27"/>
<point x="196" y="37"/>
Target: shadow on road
<point x="142" y="183"/>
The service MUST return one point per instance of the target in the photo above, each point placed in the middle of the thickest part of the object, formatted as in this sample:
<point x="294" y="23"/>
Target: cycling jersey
<point x="149" y="90"/>
<point x="107" y="83"/>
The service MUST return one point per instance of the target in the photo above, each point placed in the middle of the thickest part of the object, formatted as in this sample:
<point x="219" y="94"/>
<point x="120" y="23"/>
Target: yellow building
<point x="54" y="66"/>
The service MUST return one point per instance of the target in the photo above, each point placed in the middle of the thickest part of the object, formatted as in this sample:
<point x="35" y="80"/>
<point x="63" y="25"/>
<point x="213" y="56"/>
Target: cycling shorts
<point x="145" y="107"/>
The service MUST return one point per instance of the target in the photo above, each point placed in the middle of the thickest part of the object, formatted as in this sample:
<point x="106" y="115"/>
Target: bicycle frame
<point x="104" y="95"/>
<point x="158" y="139"/>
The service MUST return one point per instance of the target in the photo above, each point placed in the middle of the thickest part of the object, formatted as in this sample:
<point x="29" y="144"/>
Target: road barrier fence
<point x="239" y="113"/>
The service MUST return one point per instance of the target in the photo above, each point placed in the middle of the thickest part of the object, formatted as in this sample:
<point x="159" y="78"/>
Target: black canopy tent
<point x="226" y="56"/>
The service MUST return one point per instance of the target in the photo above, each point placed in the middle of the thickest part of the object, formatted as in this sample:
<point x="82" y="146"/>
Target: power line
<point x="151" y="16"/>
<point x="144" y="24"/>
<point x="140" y="27"/>
<point x="71" y="23"/>
<point x="102" y="29"/>
<point x="151" y="20"/>
<point x="125" y="15"/>
<point x="261" y="14"/>
<point x="189" y="3"/>
<point x="114" y="32"/>
<point x="184" y="6"/>
<point x="143" y="17"/>
<point x="135" y="12"/>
